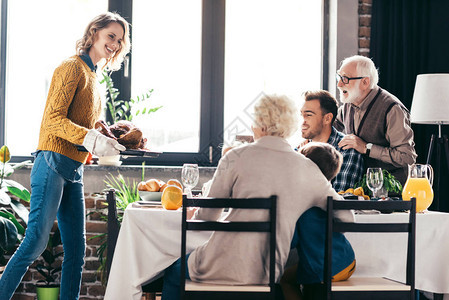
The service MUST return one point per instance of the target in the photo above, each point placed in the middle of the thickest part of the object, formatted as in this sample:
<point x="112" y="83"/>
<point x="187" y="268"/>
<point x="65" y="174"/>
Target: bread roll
<point x="175" y="182"/>
<point x="141" y="186"/>
<point x="152" y="185"/>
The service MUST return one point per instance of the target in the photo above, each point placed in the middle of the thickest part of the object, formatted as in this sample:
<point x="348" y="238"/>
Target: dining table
<point x="150" y="241"/>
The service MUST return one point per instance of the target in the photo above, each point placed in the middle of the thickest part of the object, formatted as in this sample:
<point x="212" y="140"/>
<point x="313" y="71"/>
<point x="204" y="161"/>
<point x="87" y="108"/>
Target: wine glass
<point x="190" y="176"/>
<point x="374" y="180"/>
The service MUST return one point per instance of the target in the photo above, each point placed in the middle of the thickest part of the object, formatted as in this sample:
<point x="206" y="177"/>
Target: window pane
<point x="35" y="49"/>
<point x="272" y="46"/>
<point x="167" y="58"/>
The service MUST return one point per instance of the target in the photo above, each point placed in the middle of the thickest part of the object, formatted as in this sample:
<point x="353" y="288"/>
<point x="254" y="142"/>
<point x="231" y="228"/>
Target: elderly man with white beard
<point x="375" y="122"/>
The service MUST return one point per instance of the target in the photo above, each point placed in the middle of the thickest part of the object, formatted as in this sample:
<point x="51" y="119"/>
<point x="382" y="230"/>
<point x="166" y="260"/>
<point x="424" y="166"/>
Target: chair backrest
<point x="113" y="228"/>
<point x="388" y="205"/>
<point x="268" y="226"/>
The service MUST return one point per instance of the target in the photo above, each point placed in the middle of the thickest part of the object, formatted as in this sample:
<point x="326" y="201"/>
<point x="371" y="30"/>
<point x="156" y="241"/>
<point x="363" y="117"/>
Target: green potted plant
<point x="120" y="109"/>
<point x="13" y="214"/>
<point x="126" y="193"/>
<point x="49" y="267"/>
<point x="390" y="184"/>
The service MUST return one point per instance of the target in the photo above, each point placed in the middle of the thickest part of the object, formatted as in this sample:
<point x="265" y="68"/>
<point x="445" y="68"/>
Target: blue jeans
<point x="172" y="277"/>
<point x="56" y="191"/>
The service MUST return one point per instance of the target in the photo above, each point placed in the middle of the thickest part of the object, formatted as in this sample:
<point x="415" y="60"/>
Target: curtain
<point x="411" y="37"/>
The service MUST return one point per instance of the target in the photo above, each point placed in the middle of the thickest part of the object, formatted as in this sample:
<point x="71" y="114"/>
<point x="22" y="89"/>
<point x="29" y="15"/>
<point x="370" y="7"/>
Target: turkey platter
<point x="125" y="132"/>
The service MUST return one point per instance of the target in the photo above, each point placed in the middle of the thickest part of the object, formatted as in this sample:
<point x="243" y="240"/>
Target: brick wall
<point x="364" y="26"/>
<point x="91" y="287"/>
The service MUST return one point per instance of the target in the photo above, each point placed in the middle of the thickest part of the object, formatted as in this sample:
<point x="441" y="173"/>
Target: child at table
<point x="309" y="236"/>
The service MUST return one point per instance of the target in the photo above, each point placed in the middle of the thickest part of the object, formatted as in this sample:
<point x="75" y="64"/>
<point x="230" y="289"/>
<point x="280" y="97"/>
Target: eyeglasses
<point x="346" y="79"/>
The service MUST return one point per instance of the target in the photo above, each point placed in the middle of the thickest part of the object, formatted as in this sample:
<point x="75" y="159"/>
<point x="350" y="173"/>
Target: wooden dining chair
<point x="197" y="290"/>
<point x="113" y="227"/>
<point x="370" y="287"/>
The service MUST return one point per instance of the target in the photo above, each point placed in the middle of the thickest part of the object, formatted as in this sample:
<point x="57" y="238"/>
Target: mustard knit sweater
<point x="73" y="106"/>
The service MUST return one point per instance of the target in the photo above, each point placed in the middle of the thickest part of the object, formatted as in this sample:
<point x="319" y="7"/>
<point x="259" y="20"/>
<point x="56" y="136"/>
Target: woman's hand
<point x="100" y="145"/>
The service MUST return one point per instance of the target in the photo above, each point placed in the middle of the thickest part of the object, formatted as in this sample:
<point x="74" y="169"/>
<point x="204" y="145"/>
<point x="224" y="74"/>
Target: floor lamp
<point x="431" y="106"/>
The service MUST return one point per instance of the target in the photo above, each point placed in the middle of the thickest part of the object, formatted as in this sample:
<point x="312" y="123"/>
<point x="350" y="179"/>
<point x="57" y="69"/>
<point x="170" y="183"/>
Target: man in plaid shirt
<point x="319" y="112"/>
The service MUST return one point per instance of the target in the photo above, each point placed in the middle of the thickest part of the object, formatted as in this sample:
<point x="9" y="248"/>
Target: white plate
<point x="116" y="164"/>
<point x="145" y="202"/>
<point x="110" y="160"/>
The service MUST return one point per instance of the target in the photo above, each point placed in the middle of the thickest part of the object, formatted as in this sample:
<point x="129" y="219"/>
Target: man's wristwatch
<point x="368" y="148"/>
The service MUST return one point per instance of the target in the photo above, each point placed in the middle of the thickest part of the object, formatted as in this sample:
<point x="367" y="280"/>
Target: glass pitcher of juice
<point x="419" y="185"/>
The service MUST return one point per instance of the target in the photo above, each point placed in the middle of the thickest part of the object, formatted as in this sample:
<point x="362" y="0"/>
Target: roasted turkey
<point x="125" y="132"/>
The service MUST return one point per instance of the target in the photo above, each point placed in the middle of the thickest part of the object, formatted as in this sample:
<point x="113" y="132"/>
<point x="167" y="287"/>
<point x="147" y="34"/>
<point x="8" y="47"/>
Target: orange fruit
<point x="174" y="182"/>
<point x="171" y="197"/>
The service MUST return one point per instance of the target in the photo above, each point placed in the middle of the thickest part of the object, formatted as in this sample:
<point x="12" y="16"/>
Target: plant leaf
<point x="13" y="183"/>
<point x="7" y="215"/>
<point x="5" y="155"/>
<point x="6" y="170"/>
<point x="23" y="194"/>
<point x="56" y="238"/>
<point x="44" y="272"/>
<point x="4" y="198"/>
<point x="48" y="257"/>
<point x="154" y="109"/>
<point x="8" y="234"/>
<point x="21" y="164"/>
<point x="20" y="210"/>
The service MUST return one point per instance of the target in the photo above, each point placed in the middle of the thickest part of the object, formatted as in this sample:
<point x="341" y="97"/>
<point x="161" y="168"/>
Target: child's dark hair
<point x="325" y="156"/>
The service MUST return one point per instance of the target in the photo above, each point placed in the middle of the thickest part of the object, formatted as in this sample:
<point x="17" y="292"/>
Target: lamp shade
<point x="431" y="99"/>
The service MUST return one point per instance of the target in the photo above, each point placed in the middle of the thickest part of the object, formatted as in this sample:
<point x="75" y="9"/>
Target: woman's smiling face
<point x="107" y="42"/>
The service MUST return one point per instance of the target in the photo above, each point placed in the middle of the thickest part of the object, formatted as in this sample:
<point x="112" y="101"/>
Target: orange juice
<point x="420" y="189"/>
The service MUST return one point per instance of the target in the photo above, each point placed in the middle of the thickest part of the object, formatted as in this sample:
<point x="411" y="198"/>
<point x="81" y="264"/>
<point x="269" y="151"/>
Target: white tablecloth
<point x="150" y="239"/>
<point x="383" y="254"/>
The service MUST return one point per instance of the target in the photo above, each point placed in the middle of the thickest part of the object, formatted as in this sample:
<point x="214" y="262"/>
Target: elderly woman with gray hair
<point x="269" y="166"/>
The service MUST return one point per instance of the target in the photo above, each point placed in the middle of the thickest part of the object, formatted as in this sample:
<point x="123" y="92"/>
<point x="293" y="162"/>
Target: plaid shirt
<point x="352" y="168"/>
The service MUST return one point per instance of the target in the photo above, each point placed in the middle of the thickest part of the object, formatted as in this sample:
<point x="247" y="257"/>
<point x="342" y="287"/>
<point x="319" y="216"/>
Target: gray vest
<point x="373" y="127"/>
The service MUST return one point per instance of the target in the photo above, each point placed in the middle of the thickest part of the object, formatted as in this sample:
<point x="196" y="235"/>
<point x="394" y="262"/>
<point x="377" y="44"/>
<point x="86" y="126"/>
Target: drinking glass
<point x="374" y="180"/>
<point x="190" y="176"/>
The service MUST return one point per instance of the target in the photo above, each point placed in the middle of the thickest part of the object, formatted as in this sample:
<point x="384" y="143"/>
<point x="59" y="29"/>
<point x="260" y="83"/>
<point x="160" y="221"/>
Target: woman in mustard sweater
<point x="73" y="106"/>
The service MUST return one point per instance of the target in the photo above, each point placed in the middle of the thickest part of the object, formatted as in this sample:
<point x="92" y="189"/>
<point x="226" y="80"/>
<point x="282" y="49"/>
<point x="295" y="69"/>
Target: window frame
<point x="3" y="38"/>
<point x="212" y="82"/>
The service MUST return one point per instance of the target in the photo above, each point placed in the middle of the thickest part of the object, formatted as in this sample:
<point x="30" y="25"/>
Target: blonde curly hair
<point x="277" y="114"/>
<point x="102" y="21"/>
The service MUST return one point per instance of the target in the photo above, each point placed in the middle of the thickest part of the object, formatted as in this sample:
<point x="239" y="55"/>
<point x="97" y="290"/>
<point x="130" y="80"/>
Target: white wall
<point x="343" y="35"/>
